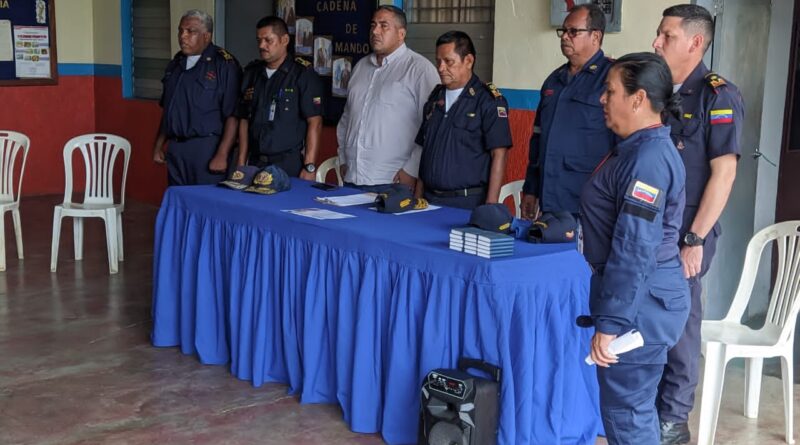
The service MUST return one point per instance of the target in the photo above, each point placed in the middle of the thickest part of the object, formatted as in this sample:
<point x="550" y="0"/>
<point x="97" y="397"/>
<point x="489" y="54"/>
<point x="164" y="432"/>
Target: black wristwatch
<point x="310" y="167"/>
<point x="692" y="239"/>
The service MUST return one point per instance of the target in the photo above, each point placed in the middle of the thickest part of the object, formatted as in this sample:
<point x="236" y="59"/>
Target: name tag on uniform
<point x="272" y="107"/>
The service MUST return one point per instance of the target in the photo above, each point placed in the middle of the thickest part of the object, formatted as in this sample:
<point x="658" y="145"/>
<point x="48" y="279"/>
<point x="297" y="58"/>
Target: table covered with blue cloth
<point x="357" y="311"/>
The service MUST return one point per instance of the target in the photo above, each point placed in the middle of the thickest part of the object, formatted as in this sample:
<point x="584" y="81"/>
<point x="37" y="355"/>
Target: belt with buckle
<point x="460" y="192"/>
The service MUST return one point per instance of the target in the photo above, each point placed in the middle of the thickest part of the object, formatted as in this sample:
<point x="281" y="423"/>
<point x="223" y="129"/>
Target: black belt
<point x="186" y="139"/>
<point x="460" y="192"/>
<point x="277" y="156"/>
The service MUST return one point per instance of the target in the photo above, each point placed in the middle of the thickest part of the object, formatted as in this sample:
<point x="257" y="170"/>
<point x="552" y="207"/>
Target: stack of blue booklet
<point x="481" y="242"/>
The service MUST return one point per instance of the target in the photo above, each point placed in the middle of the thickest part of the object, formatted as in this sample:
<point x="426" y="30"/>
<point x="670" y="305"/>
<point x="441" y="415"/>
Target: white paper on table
<point x="348" y="200"/>
<point x="430" y="207"/>
<point x="6" y="44"/>
<point x="319" y="213"/>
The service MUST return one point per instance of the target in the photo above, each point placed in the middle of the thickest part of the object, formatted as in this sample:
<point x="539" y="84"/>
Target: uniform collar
<point x="396" y="54"/>
<point x="694" y="82"/>
<point x="591" y="66"/>
<point x="470" y="88"/>
<point x="634" y="139"/>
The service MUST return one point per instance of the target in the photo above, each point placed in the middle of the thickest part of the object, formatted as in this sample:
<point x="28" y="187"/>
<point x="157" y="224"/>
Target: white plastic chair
<point x="99" y="154"/>
<point x="328" y="165"/>
<point x="725" y="339"/>
<point x="513" y="189"/>
<point x="10" y="145"/>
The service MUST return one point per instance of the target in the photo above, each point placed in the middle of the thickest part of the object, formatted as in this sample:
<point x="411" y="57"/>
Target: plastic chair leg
<point x="120" y="251"/>
<point x="713" y="379"/>
<point x="18" y="232"/>
<point x="752" y="385"/>
<point x="56" y="237"/>
<point x="787" y="378"/>
<point x="110" y="220"/>
<point x="77" y="231"/>
<point x="2" y="241"/>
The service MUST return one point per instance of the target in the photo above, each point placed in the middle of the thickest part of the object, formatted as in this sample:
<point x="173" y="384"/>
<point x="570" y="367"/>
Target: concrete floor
<point x="76" y="365"/>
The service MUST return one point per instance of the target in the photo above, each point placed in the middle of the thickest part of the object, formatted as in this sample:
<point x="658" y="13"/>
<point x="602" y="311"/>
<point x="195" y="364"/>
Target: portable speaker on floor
<point x="459" y="408"/>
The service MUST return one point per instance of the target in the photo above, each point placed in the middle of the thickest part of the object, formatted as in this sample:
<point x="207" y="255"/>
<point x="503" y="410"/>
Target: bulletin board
<point x="28" y="43"/>
<point x="332" y="35"/>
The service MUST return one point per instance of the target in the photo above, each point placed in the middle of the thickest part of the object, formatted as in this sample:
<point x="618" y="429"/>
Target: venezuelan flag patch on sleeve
<point x="722" y="116"/>
<point x="644" y="193"/>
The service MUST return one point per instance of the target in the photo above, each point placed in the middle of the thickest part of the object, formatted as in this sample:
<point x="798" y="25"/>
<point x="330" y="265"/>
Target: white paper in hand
<point x="624" y="343"/>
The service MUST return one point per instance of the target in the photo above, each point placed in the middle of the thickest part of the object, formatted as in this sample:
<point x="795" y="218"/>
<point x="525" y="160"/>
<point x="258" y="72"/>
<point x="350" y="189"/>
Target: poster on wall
<point x="304" y="36"/>
<point x="611" y="8"/>
<point x="28" y="53"/>
<point x="342" y="67"/>
<point x="286" y="11"/>
<point x="32" y="52"/>
<point x="322" y="55"/>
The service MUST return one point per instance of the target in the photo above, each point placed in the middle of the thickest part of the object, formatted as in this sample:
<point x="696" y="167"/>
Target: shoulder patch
<point x="225" y="54"/>
<point x="493" y="89"/>
<point x="435" y="93"/>
<point x="714" y="80"/>
<point x="303" y="62"/>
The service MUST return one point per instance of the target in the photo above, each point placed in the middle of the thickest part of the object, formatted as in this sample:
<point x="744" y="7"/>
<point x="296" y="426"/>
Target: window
<point x="428" y="19"/>
<point x="151" y="39"/>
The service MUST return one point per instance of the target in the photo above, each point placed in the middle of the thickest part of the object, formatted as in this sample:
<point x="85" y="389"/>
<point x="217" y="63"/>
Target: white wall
<point x="526" y="49"/>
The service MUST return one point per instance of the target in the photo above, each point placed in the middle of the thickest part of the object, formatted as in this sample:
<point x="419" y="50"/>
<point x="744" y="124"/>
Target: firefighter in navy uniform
<point x="201" y="88"/>
<point x="464" y="133"/>
<point x="631" y="210"/>
<point x="569" y="135"/>
<point x="707" y="135"/>
<point x="280" y="107"/>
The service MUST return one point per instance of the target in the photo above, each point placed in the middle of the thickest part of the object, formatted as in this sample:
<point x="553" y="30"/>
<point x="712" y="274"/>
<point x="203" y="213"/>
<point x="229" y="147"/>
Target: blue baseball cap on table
<point x="241" y="178"/>
<point x="397" y="199"/>
<point x="270" y="180"/>
<point x="553" y="227"/>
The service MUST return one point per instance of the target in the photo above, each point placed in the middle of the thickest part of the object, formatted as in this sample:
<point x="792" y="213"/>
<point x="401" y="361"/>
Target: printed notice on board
<point x="6" y="46"/>
<point x="32" y="51"/>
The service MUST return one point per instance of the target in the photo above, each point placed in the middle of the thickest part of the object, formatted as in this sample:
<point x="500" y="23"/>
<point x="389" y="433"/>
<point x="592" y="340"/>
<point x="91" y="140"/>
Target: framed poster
<point x="612" y="9"/>
<point x="304" y="36"/>
<point x="342" y="67"/>
<point x="28" y="43"/>
<point x="286" y="11"/>
<point x="323" y="60"/>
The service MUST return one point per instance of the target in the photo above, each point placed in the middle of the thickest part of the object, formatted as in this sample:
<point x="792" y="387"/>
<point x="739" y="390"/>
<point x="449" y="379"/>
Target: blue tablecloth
<point x="357" y="311"/>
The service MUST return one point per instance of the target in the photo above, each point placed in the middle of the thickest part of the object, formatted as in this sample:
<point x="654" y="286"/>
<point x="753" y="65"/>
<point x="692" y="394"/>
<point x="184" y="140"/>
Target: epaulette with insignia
<point x="435" y="93"/>
<point x="714" y="80"/>
<point x="493" y="89"/>
<point x="305" y="63"/>
<point x="225" y="54"/>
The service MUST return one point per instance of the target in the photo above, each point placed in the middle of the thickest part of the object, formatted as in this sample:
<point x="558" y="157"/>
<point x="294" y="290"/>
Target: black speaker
<point x="459" y="408"/>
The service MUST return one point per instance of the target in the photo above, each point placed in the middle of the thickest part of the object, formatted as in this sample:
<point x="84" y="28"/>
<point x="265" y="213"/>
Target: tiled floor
<point x="76" y="366"/>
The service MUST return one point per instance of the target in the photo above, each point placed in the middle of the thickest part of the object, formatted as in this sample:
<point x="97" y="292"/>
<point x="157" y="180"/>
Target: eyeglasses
<point x="572" y="32"/>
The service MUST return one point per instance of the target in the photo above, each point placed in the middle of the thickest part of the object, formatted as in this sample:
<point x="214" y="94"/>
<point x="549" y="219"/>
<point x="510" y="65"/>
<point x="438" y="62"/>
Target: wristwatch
<point x="310" y="167"/>
<point x="692" y="239"/>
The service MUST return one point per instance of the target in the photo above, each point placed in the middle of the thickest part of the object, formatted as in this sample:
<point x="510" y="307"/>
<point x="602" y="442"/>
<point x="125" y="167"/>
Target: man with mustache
<point x="201" y="87"/>
<point x="570" y="137"/>
<point x="384" y="108"/>
<point x="280" y="107"/>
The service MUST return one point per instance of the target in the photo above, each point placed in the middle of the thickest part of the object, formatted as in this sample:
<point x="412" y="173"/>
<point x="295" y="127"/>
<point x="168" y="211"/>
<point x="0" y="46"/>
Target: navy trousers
<point x="187" y="161"/>
<point x="679" y="381"/>
<point x="627" y="403"/>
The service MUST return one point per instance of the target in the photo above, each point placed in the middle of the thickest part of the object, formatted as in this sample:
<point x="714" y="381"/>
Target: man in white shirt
<point x="383" y="113"/>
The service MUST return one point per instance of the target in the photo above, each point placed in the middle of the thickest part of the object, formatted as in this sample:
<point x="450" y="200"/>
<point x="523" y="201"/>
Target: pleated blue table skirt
<point x="357" y="311"/>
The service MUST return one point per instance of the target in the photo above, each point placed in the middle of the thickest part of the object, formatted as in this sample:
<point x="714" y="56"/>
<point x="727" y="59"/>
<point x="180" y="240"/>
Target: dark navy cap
<point x="553" y="227"/>
<point x="270" y="180"/>
<point x="241" y="178"/>
<point x="493" y="217"/>
<point x="397" y="199"/>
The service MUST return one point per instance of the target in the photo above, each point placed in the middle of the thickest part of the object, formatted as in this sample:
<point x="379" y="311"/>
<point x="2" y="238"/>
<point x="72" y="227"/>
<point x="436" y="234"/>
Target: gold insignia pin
<point x="471" y="91"/>
<point x="593" y="67"/>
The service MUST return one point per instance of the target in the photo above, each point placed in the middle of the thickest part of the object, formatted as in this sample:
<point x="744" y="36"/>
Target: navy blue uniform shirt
<point x="277" y="107"/>
<point x="569" y="135"/>
<point x="197" y="101"/>
<point x="631" y="211"/>
<point x="711" y="126"/>
<point x="457" y="144"/>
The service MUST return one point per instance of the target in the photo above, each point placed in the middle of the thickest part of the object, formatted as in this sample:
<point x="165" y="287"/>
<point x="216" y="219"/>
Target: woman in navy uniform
<point x="631" y="210"/>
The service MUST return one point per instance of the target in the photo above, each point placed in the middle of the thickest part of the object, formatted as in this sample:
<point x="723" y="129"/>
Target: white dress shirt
<point x="382" y="116"/>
